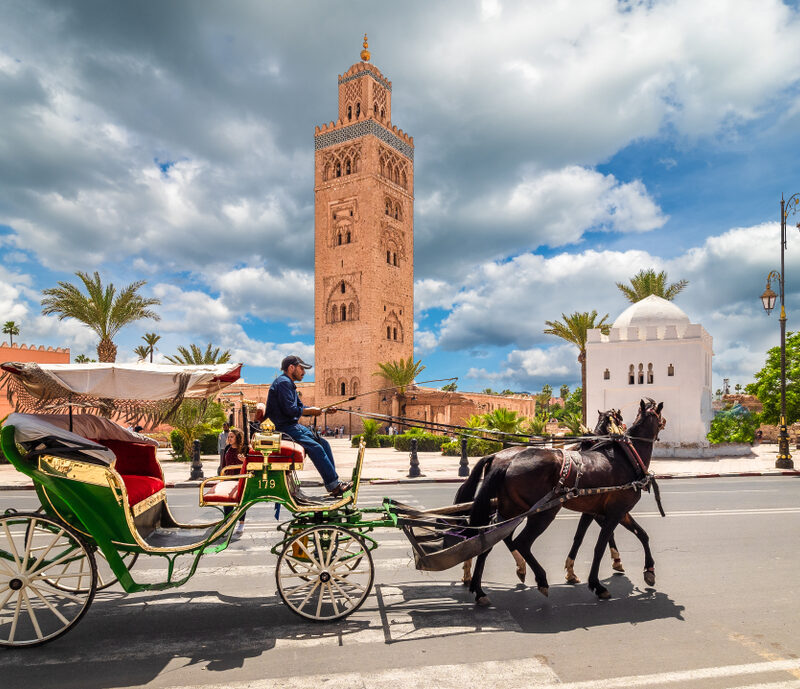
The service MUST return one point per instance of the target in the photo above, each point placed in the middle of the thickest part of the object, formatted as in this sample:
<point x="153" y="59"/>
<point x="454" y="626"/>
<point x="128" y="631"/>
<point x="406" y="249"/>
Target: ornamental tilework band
<point x="359" y="129"/>
<point x="382" y="82"/>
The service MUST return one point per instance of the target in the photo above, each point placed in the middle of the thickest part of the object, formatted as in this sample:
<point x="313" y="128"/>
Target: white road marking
<point x="742" y="512"/>
<point x="691" y="677"/>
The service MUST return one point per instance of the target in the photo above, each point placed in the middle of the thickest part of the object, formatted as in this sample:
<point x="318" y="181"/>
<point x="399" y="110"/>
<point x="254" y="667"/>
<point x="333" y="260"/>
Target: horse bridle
<point x="662" y="423"/>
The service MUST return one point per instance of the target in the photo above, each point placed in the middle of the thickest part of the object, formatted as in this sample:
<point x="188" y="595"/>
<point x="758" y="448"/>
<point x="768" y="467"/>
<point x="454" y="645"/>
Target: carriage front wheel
<point x="39" y="559"/>
<point x="324" y="573"/>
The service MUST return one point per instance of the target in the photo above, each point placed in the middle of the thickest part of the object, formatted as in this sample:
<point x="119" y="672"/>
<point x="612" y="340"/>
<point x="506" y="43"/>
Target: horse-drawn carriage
<point x="104" y="503"/>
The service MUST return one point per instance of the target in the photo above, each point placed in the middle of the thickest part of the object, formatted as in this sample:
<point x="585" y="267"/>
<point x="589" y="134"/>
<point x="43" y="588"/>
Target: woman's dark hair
<point x="239" y="437"/>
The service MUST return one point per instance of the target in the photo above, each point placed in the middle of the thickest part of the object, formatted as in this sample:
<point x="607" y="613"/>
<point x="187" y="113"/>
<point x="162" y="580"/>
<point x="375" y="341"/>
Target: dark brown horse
<point x="520" y="477"/>
<point x="607" y="422"/>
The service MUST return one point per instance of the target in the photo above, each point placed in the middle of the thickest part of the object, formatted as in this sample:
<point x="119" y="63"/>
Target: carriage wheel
<point x="332" y="577"/>
<point x="36" y="554"/>
<point x="105" y="575"/>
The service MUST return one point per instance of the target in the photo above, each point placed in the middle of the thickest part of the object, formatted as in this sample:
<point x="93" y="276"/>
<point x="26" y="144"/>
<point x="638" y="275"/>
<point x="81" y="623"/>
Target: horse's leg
<point x="534" y="528"/>
<point x="616" y="561"/>
<point x="577" y="539"/>
<point x="480" y="596"/>
<point x="466" y="577"/>
<point x="608" y="525"/>
<point x="649" y="563"/>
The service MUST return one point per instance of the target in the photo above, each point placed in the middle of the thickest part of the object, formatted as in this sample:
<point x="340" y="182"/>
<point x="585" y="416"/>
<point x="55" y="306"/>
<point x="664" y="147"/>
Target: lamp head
<point x="768" y="298"/>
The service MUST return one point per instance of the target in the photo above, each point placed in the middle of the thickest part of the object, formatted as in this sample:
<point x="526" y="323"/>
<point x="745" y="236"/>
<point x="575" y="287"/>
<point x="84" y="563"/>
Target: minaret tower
<point x="364" y="240"/>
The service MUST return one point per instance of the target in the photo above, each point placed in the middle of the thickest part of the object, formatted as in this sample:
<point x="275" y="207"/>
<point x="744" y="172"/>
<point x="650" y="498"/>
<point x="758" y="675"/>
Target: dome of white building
<point x="650" y="311"/>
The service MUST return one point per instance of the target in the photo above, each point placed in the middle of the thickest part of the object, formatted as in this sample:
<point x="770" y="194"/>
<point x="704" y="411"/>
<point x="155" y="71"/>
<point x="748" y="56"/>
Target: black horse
<point x="607" y="422"/>
<point x="522" y="476"/>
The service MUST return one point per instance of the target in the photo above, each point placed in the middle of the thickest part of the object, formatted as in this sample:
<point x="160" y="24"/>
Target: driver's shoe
<point x="341" y="489"/>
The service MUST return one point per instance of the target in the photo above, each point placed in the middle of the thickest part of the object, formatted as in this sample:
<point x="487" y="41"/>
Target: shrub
<point x="733" y="426"/>
<point x="426" y="442"/>
<point x="382" y="440"/>
<point x="176" y="440"/>
<point x="476" y="447"/>
<point x="208" y="442"/>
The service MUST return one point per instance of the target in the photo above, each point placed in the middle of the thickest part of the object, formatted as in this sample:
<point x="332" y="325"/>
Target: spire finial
<point x="365" y="52"/>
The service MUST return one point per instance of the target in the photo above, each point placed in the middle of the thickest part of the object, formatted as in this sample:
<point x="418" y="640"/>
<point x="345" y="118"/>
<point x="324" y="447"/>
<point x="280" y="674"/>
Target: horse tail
<point x="482" y="506"/>
<point x="466" y="491"/>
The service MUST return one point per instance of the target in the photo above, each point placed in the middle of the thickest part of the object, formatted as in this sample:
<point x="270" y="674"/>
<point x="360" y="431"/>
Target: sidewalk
<point x="386" y="465"/>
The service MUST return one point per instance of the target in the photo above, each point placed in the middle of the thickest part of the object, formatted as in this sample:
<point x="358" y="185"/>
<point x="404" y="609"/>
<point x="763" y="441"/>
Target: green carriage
<point x="104" y="501"/>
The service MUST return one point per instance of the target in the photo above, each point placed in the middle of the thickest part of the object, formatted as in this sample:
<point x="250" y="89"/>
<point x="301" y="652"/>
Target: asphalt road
<point x="723" y="613"/>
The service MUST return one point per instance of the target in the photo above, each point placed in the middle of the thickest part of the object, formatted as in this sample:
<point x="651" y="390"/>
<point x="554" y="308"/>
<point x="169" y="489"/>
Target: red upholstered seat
<point x="289" y="452"/>
<point x="225" y="491"/>
<point x="141" y="487"/>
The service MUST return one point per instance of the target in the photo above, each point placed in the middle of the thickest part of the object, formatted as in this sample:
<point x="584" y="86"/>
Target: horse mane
<point x="482" y="508"/>
<point x="466" y="491"/>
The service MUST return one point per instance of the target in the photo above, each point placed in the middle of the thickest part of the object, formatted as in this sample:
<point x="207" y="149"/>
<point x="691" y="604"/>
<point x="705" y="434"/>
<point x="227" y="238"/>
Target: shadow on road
<point x="131" y="640"/>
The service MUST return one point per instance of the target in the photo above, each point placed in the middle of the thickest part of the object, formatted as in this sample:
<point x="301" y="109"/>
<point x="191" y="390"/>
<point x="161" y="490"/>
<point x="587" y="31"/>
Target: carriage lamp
<point x="768" y="298"/>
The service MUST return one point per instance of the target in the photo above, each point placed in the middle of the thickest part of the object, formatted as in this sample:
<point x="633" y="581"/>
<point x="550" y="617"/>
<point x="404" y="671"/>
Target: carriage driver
<point x="284" y="409"/>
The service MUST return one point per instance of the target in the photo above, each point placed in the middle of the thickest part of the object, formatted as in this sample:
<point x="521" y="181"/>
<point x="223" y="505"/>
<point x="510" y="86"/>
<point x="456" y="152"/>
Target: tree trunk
<point x="106" y="351"/>
<point x="582" y="361"/>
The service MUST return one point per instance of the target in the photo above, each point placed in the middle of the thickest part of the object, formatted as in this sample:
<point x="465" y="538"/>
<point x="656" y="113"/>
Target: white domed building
<point x="652" y="350"/>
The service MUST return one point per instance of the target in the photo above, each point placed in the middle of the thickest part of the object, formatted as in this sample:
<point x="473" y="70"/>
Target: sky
<point x="560" y="147"/>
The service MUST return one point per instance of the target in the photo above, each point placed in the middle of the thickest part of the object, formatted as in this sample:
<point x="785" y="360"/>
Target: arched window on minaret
<point x="375" y="109"/>
<point x="383" y="113"/>
<point x="351" y="311"/>
<point x="349" y="112"/>
<point x="404" y="180"/>
<point x="358" y="110"/>
<point x="340" y="239"/>
<point x="343" y="312"/>
<point x="329" y="387"/>
<point x="347" y="166"/>
<point x="354" y="386"/>
<point x="388" y="332"/>
<point x="338" y="169"/>
<point x="342" y="287"/>
<point x="394" y="333"/>
<point x="394" y="259"/>
<point x="348" y="236"/>
<point x="388" y="207"/>
<point x="388" y="256"/>
<point x="334" y="313"/>
<point x="343" y="388"/>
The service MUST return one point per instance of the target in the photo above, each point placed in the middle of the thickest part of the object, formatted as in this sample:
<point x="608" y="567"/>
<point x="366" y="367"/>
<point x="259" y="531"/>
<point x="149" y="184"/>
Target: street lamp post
<point x="784" y="460"/>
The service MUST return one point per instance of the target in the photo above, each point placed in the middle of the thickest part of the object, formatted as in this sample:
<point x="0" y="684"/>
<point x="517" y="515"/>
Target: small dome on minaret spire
<point x="365" y="52"/>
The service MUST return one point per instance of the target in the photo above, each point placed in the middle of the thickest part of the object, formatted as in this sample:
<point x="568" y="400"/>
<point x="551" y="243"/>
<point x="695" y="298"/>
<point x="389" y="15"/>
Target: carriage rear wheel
<point x="105" y="575"/>
<point x="37" y="556"/>
<point x="324" y="573"/>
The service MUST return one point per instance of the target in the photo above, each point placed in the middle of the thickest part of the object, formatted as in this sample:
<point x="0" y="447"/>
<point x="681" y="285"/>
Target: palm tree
<point x="150" y="340"/>
<point x="503" y="420"/>
<point x="142" y="352"/>
<point x="83" y="359"/>
<point x="401" y="374"/>
<point x="10" y="328"/>
<point x="102" y="309"/>
<point x="196" y="356"/>
<point x="647" y="282"/>
<point x="575" y="329"/>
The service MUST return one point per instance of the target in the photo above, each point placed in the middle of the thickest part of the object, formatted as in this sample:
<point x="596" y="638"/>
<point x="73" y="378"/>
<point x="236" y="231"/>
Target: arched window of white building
<point x="641" y="374"/>
<point x="670" y="370"/>
<point x="631" y="379"/>
<point x="606" y="375"/>
<point x="649" y="374"/>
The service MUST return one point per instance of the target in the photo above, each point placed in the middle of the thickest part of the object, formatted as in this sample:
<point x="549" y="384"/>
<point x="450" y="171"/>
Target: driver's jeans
<point x="318" y="449"/>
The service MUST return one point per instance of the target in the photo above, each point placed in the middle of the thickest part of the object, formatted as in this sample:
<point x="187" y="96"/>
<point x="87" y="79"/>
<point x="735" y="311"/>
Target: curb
<point x="424" y="479"/>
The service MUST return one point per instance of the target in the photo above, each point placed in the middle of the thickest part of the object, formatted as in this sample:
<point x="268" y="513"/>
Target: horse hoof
<point x="603" y="595"/>
<point x="483" y="601"/>
<point x="466" y="582"/>
<point x="617" y="566"/>
<point x="544" y="590"/>
<point x="521" y="574"/>
<point x="650" y="578"/>
<point x="572" y="578"/>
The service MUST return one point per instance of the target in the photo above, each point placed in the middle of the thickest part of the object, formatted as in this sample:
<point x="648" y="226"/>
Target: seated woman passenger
<point x="233" y="456"/>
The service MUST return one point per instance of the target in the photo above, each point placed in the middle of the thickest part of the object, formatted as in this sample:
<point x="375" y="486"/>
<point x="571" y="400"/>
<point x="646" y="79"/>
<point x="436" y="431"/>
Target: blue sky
<point x="560" y="148"/>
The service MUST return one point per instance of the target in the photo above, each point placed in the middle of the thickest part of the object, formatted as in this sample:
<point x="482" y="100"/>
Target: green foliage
<point x="194" y="356"/>
<point x="563" y="392"/>
<point x="83" y="359"/>
<point x="382" y="440"/>
<point x="101" y="308"/>
<point x="371" y="428"/>
<point x="194" y="419"/>
<point x="574" y="403"/>
<point x="573" y="422"/>
<point x="732" y="427"/>
<point x="400" y="373"/>
<point x="647" y="282"/>
<point x="767" y="385"/>
<point x="142" y="352"/>
<point x="176" y="440"/>
<point x="150" y="340"/>
<point x="488" y="391"/>
<point x="503" y="420"/>
<point x="10" y="328"/>
<point x="426" y="442"/>
<point x="534" y="426"/>
<point x="450" y="387"/>
<point x="475" y="447"/>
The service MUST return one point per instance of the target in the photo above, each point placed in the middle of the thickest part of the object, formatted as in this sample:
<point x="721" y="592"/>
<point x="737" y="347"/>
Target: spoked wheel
<point x="324" y="573"/>
<point x="105" y="575"/>
<point x="37" y="556"/>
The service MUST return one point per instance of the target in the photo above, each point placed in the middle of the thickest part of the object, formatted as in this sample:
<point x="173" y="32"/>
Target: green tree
<point x="575" y="328"/>
<point x="372" y="429"/>
<point x="563" y="392"/>
<point x="503" y="420"/>
<point x="543" y="399"/>
<point x="142" y="352"/>
<point x="83" y="359"/>
<point x="196" y="356"/>
<point x="731" y="427"/>
<point x="400" y="373"/>
<point x="647" y="282"/>
<point x="489" y="391"/>
<point x="150" y="340"/>
<point x="10" y="328"/>
<point x="534" y="426"/>
<point x="767" y="385"/>
<point x="102" y="309"/>
<point x="573" y="422"/>
<point x="450" y="387"/>
<point x="194" y="418"/>
<point x="574" y="403"/>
